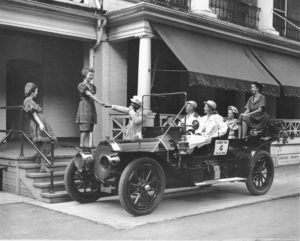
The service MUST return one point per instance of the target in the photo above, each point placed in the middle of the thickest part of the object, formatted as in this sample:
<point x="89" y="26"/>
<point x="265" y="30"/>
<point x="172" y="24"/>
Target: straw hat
<point x="137" y="100"/>
<point x="211" y="103"/>
<point x="193" y="103"/>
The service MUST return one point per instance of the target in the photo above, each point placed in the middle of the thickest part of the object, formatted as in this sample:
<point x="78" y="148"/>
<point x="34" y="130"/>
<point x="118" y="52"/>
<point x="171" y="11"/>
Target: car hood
<point x="143" y="145"/>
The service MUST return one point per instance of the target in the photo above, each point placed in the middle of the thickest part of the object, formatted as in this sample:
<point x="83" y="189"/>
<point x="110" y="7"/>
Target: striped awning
<point x="215" y="62"/>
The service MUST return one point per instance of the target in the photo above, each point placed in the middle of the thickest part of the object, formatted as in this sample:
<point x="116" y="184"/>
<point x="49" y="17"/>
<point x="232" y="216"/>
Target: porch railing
<point x="23" y="136"/>
<point x="182" y="5"/>
<point x="291" y="127"/>
<point x="118" y="123"/>
<point x="287" y="27"/>
<point x="236" y="11"/>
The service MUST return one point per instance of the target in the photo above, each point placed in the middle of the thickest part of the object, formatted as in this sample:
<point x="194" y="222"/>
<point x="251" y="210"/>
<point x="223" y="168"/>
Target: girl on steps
<point x="37" y="124"/>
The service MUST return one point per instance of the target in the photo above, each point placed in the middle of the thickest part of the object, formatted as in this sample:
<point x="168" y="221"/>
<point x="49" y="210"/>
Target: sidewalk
<point x="175" y="205"/>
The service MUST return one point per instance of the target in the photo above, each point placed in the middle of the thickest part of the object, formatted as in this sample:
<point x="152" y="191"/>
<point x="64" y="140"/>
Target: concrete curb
<point x="228" y="208"/>
<point x="137" y="224"/>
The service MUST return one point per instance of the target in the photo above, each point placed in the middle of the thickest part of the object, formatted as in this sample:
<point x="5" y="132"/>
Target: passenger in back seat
<point x="211" y="125"/>
<point x="231" y="122"/>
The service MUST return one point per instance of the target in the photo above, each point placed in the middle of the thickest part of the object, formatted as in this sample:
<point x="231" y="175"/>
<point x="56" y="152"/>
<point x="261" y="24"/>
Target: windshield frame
<point x="166" y="94"/>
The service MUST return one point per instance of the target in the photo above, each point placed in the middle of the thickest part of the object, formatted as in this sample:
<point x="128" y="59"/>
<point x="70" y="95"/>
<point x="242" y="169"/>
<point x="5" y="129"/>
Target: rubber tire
<point x="72" y="190"/>
<point x="124" y="199"/>
<point x="249" y="183"/>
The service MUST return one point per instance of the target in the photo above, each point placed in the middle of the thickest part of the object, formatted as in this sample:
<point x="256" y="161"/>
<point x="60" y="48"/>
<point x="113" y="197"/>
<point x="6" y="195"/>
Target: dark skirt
<point x="86" y="127"/>
<point x="36" y="134"/>
<point x="86" y="115"/>
<point x="257" y="121"/>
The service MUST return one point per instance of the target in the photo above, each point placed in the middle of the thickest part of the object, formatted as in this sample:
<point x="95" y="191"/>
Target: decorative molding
<point x="124" y="20"/>
<point x="49" y="19"/>
<point x="137" y="29"/>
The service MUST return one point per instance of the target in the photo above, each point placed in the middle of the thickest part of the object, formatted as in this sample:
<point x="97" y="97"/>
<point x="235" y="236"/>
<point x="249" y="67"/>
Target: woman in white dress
<point x="211" y="125"/>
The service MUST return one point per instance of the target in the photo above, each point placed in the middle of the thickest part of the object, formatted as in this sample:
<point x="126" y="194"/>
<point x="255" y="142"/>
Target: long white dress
<point x="210" y="126"/>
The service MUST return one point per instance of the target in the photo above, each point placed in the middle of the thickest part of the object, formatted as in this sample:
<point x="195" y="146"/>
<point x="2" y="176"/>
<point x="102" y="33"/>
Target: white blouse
<point x="212" y="126"/>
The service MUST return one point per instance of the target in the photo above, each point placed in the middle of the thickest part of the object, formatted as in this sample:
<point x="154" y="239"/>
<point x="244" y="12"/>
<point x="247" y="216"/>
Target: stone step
<point x="56" y="197"/>
<point x="34" y="167"/>
<point x="45" y="186"/>
<point x="45" y="177"/>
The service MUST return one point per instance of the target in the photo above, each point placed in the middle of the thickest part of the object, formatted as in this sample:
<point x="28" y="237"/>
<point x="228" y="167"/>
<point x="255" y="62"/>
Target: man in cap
<point x="134" y="127"/>
<point x="192" y="117"/>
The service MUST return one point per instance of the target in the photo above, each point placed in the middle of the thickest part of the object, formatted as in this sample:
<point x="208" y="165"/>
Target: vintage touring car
<point x="139" y="170"/>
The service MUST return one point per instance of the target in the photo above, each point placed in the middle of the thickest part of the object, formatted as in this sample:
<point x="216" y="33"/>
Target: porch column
<point x="144" y="71"/>
<point x="202" y="7"/>
<point x="266" y="16"/>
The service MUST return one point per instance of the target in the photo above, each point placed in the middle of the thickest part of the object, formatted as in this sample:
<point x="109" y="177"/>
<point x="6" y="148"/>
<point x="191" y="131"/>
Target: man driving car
<point x="192" y="117"/>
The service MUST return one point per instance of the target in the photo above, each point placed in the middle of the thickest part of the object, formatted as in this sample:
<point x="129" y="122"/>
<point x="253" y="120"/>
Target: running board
<point x="218" y="181"/>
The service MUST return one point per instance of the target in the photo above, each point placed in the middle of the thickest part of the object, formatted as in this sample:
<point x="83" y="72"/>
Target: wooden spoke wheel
<point x="141" y="186"/>
<point x="81" y="185"/>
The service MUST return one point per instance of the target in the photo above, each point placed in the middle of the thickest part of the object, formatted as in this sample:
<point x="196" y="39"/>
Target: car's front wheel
<point x="142" y="186"/>
<point x="261" y="174"/>
<point x="80" y="184"/>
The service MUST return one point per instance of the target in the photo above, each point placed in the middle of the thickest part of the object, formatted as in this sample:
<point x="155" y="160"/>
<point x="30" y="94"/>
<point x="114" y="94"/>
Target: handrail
<point x="288" y="21"/>
<point x="11" y="107"/>
<point x="23" y="134"/>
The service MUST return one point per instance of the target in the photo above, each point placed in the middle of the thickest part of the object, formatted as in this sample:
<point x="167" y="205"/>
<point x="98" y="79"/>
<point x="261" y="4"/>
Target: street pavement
<point x="188" y="202"/>
<point x="272" y="220"/>
<point x="224" y="212"/>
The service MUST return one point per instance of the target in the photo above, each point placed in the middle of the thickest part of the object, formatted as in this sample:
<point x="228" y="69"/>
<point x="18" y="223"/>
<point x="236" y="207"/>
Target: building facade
<point x="211" y="49"/>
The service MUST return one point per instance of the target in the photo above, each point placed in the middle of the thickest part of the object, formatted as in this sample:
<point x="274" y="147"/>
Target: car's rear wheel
<point x="80" y="184"/>
<point x="261" y="174"/>
<point x="142" y="186"/>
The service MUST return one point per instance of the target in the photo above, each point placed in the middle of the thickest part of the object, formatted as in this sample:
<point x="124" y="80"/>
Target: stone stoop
<point x="38" y="184"/>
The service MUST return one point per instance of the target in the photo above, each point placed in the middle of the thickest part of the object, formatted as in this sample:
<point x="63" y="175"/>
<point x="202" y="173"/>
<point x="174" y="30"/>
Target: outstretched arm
<point x="119" y="108"/>
<point x="88" y="93"/>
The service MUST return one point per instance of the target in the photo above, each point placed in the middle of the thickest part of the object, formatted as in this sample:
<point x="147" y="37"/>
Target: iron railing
<point x="236" y="11"/>
<point x="287" y="27"/>
<point x="93" y="4"/>
<point x="182" y="5"/>
<point x="23" y="136"/>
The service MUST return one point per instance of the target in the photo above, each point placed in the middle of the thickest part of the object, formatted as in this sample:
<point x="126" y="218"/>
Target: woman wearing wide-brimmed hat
<point x="255" y="116"/>
<point x="212" y="125"/>
<point x="136" y="117"/>
<point x="37" y="124"/>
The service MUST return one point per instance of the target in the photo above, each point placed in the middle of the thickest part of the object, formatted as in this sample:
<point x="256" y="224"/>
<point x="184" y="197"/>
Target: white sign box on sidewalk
<point x="288" y="159"/>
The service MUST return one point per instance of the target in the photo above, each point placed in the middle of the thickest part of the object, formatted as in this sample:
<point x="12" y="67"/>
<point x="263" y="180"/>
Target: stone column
<point x="144" y="71"/>
<point x="202" y="7"/>
<point x="266" y="16"/>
